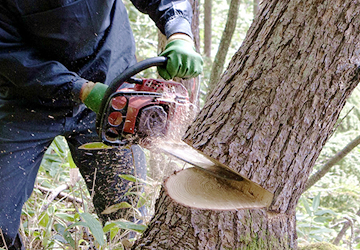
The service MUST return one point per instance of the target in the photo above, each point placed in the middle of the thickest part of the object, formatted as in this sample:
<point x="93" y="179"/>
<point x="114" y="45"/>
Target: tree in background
<point x="207" y="27"/>
<point x="219" y="61"/>
<point x="255" y="7"/>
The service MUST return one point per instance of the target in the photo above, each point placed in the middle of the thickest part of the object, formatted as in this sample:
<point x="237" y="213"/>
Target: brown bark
<point x="195" y="4"/>
<point x="268" y="118"/>
<point x="177" y="227"/>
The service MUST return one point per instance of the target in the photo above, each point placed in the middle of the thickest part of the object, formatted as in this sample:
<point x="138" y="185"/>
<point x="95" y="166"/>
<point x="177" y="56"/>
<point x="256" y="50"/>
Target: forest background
<point x="59" y="214"/>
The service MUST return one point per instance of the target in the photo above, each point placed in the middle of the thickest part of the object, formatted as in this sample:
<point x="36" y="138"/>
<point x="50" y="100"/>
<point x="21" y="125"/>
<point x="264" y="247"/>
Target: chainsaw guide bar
<point x="196" y="158"/>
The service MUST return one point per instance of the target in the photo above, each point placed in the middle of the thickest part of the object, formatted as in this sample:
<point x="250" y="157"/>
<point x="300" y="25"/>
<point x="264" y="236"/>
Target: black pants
<point x="26" y="133"/>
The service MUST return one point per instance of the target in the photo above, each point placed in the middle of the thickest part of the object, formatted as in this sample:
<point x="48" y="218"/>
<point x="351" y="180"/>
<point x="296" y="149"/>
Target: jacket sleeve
<point x="169" y="16"/>
<point x="28" y="73"/>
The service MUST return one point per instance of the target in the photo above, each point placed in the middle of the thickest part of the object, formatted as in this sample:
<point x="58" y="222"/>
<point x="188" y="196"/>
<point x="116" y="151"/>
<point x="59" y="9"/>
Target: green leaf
<point x="71" y="161"/>
<point x="79" y="223"/>
<point x="131" y="226"/>
<point x="141" y="202"/>
<point x="94" y="146"/>
<point x="60" y="145"/>
<point x="65" y="234"/>
<point x="132" y="178"/>
<point x="307" y="207"/>
<point x="65" y="217"/>
<point x="115" y="207"/>
<point x="322" y="219"/>
<point x="128" y="177"/>
<point x="325" y="211"/>
<point x="108" y="226"/>
<point x="113" y="232"/>
<point x="316" y="202"/>
<point x="112" y="228"/>
<point x="95" y="227"/>
<point x="44" y="219"/>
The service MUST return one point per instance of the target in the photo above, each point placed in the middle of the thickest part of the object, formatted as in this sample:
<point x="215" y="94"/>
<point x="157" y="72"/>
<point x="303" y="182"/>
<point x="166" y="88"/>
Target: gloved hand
<point x="92" y="94"/>
<point x="183" y="60"/>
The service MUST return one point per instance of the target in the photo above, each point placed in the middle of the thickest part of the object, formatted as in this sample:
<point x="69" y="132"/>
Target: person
<point x="56" y="59"/>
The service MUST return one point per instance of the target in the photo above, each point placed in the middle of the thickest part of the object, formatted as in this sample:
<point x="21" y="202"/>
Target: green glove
<point x="183" y="61"/>
<point x="94" y="95"/>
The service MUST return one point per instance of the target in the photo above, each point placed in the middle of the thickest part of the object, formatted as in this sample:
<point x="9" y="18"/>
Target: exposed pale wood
<point x="197" y="188"/>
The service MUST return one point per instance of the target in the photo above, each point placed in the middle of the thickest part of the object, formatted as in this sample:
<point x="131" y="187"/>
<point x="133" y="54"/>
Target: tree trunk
<point x="207" y="27"/>
<point x="219" y="60"/>
<point x="268" y="119"/>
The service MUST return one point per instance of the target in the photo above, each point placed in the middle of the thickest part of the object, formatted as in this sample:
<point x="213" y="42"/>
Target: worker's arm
<point x="173" y="18"/>
<point x="27" y="74"/>
<point x="169" y="16"/>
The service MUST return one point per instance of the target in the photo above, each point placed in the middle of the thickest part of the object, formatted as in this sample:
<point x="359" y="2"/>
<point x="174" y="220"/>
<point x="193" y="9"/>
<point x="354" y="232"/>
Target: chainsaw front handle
<point x="123" y="77"/>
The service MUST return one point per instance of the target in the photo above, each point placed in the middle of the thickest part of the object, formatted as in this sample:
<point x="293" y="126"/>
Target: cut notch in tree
<point x="197" y="188"/>
<point x="211" y="184"/>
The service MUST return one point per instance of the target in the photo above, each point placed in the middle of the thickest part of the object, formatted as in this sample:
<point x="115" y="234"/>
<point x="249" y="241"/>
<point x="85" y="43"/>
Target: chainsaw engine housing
<point x="145" y="108"/>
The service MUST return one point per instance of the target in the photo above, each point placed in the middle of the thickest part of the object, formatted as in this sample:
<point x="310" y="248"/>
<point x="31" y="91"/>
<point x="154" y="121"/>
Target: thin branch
<point x="3" y="239"/>
<point x="340" y="155"/>
<point x="58" y="192"/>
<point x="343" y="230"/>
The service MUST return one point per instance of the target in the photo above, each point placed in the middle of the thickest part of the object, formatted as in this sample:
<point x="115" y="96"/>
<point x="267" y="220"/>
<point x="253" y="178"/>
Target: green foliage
<point x="313" y="220"/>
<point x="340" y="189"/>
<point x="68" y="223"/>
<point x="320" y="246"/>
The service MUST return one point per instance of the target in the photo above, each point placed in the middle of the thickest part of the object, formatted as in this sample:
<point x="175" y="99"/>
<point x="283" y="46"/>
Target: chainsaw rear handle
<point x="119" y="80"/>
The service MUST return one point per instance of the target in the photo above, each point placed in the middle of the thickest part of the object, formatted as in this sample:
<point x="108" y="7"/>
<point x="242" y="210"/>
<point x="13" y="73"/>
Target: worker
<point x="56" y="59"/>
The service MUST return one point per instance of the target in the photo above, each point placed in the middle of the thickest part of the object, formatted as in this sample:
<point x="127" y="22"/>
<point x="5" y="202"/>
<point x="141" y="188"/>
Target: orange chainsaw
<point x="134" y="108"/>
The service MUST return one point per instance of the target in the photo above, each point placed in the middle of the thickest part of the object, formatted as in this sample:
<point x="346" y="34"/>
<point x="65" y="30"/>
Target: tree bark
<point x="219" y="60"/>
<point x="268" y="119"/>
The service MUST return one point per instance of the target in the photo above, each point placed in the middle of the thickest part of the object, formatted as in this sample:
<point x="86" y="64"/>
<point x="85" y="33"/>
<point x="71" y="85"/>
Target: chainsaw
<point x="135" y="109"/>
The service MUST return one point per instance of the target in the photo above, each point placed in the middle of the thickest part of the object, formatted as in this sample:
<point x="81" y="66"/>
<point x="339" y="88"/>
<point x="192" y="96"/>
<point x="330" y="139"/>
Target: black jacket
<point x="49" y="48"/>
